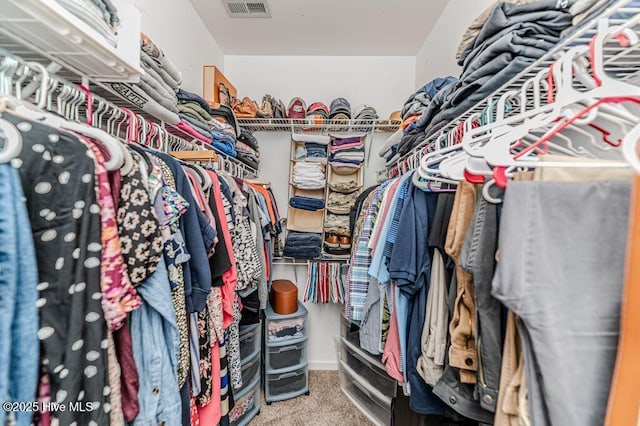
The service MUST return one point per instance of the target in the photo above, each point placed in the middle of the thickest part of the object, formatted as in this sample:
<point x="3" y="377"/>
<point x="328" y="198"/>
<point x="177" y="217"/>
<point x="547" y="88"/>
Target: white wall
<point x="176" y="27"/>
<point x="437" y="56"/>
<point x="383" y="82"/>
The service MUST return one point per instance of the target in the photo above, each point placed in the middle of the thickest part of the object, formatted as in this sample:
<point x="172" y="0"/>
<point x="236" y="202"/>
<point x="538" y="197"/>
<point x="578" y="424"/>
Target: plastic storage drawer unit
<point x="368" y="400"/>
<point x="247" y="405"/>
<point x="250" y="369"/>
<point x="249" y="340"/>
<point x="280" y="328"/>
<point x="281" y="386"/>
<point x="286" y="356"/>
<point x="349" y="330"/>
<point x="368" y="369"/>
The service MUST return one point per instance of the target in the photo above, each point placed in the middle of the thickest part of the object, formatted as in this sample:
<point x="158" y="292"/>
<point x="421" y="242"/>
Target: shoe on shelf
<point x="332" y="241"/>
<point x="345" y="242"/>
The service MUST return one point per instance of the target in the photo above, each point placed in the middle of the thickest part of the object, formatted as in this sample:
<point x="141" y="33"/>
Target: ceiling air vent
<point x="242" y="9"/>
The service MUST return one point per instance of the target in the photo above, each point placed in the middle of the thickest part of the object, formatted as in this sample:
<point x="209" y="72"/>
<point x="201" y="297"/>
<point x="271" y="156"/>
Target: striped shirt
<point x="358" y="279"/>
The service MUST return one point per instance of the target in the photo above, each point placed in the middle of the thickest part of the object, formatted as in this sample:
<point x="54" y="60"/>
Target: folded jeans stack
<point x="308" y="175"/>
<point x="306" y="203"/>
<point x="302" y="245"/>
<point x="315" y="151"/>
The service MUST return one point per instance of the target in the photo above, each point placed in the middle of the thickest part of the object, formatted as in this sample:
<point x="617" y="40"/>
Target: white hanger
<point x="13" y="141"/>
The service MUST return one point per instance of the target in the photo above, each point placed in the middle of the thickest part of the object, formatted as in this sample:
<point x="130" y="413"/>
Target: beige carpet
<point x="325" y="406"/>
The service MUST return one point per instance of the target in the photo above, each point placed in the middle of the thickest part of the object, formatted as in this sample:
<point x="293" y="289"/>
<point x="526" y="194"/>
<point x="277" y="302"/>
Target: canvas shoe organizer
<point x="345" y="179"/>
<point x="247" y="398"/>
<point x="285" y="349"/>
<point x="327" y="169"/>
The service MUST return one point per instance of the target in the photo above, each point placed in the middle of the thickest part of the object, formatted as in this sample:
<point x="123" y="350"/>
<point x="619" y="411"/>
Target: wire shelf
<point x="29" y="52"/>
<point x="620" y="62"/>
<point x="318" y="126"/>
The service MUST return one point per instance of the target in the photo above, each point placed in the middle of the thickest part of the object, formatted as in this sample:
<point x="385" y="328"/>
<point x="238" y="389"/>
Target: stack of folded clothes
<point x="308" y="175"/>
<point x="345" y="186"/>
<point x="336" y="224"/>
<point x="315" y="152"/>
<point x="512" y="37"/>
<point x="347" y="152"/>
<point x="101" y="15"/>
<point x="340" y="109"/>
<point x="247" y="148"/>
<point x="306" y="203"/>
<point x="341" y="203"/>
<point x="389" y="150"/>
<point x="302" y="245"/>
<point x="155" y="94"/>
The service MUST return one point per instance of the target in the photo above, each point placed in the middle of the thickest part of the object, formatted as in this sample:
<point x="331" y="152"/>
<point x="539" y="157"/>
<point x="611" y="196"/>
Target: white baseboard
<point x="323" y="365"/>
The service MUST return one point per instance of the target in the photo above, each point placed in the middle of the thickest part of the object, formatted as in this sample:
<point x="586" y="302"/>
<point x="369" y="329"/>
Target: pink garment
<point x="382" y="216"/>
<point x="188" y="129"/>
<point x="346" y="146"/>
<point x="119" y="297"/>
<point x="211" y="413"/>
<point x="391" y="355"/>
<point x="230" y="277"/>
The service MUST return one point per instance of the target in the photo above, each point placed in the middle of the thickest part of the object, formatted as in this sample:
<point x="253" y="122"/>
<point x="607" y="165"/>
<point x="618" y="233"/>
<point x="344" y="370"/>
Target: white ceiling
<point x="326" y="27"/>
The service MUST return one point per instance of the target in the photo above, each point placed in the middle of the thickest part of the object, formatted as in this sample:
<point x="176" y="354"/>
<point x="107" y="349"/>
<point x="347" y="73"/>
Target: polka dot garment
<point x="57" y="174"/>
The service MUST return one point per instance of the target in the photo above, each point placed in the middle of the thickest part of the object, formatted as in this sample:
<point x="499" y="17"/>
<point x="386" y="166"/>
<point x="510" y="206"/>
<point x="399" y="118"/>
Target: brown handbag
<point x="247" y="108"/>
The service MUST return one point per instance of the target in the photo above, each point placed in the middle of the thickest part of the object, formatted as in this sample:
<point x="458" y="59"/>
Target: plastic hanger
<point x="12" y="139"/>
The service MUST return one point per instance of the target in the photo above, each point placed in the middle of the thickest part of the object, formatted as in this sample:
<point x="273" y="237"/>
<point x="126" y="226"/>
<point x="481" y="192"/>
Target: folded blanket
<point x="306" y="203"/>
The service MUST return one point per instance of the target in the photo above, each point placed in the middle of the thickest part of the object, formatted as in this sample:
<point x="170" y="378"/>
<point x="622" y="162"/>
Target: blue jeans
<point x="19" y="344"/>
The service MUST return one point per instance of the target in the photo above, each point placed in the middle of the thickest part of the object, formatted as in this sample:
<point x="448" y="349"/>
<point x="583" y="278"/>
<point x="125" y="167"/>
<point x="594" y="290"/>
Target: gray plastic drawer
<point x="280" y="328"/>
<point x="250" y="340"/>
<point x="281" y="386"/>
<point x="368" y="400"/>
<point x="247" y="405"/>
<point x="286" y="356"/>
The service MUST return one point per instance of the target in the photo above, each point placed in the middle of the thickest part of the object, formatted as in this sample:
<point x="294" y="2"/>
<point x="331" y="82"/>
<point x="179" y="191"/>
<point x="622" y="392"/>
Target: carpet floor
<point x="326" y="405"/>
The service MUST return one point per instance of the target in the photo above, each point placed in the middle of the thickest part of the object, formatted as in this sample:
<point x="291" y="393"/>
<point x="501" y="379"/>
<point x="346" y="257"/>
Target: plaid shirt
<point x="358" y="278"/>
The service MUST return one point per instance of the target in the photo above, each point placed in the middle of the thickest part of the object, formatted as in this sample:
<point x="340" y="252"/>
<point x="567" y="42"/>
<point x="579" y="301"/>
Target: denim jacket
<point x="19" y="344"/>
<point x="156" y="345"/>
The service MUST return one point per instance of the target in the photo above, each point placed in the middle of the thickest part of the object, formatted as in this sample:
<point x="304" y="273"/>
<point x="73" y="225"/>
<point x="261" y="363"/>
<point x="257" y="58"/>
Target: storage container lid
<point x="284" y="287"/>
